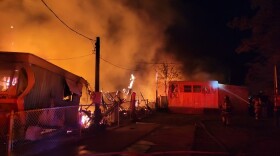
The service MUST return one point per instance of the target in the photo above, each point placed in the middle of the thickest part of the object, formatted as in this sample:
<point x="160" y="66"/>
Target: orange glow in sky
<point x="127" y="37"/>
<point x="133" y="37"/>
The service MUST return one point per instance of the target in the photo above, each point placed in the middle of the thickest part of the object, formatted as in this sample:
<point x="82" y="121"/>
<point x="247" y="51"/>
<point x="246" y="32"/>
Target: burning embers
<point x="111" y="101"/>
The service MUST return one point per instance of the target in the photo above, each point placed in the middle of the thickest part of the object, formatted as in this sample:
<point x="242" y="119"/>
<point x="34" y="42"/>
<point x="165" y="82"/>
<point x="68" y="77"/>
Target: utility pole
<point x="97" y="111"/>
<point x="132" y="106"/>
<point x="157" y="102"/>
<point x="97" y="63"/>
<point x="276" y="105"/>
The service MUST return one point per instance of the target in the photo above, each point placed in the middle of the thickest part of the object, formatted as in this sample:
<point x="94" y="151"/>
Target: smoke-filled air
<point x="132" y="35"/>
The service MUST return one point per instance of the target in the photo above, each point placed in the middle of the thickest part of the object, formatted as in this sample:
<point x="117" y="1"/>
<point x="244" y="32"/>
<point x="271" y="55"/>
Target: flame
<point x="121" y="26"/>
<point x="85" y="120"/>
<point x="31" y="23"/>
<point x="6" y="82"/>
<point x="132" y="78"/>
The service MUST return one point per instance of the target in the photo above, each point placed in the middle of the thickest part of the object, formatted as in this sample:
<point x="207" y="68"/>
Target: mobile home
<point x="196" y="97"/>
<point x="28" y="82"/>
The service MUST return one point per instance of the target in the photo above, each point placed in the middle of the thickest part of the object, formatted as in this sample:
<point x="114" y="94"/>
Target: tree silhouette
<point x="263" y="25"/>
<point x="166" y="73"/>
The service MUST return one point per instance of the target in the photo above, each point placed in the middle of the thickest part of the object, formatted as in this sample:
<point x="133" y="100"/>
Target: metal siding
<point x="194" y="99"/>
<point x="47" y="86"/>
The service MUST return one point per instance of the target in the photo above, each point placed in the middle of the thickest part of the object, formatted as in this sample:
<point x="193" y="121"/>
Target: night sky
<point x="203" y="39"/>
<point x="196" y="35"/>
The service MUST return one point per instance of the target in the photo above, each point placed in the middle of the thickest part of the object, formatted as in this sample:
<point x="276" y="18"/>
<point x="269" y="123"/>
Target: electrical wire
<point x="148" y="63"/>
<point x="71" y="57"/>
<point x="80" y="35"/>
<point x="92" y="42"/>
<point x="117" y="65"/>
<point x="64" y="22"/>
<point x="154" y="63"/>
<point x="70" y="29"/>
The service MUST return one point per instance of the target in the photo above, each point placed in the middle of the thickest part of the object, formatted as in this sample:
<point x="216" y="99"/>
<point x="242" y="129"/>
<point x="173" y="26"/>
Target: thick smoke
<point x="134" y="35"/>
<point x="130" y="32"/>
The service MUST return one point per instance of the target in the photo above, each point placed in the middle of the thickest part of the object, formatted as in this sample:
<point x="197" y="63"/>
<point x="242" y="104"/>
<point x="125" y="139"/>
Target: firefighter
<point x="226" y="109"/>
<point x="251" y="109"/>
<point x="258" y="107"/>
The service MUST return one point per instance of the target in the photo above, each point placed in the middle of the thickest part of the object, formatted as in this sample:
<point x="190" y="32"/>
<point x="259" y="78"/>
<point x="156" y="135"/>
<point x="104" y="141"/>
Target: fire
<point x="122" y="28"/>
<point x="85" y="120"/>
<point x="129" y="88"/>
<point x="132" y="78"/>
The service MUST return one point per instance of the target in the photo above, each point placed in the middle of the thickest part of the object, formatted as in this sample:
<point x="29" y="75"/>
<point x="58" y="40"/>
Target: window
<point x="196" y="88"/>
<point x="67" y="93"/>
<point x="8" y="78"/>
<point x="187" y="88"/>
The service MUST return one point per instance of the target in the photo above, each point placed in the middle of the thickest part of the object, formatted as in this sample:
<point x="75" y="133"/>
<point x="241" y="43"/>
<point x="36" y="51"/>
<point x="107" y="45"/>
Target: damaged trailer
<point x="28" y="82"/>
<point x="198" y="97"/>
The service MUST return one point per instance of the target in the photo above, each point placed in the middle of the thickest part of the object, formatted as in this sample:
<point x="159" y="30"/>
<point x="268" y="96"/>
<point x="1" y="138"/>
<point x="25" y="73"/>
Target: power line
<point x="91" y="41"/>
<point x="80" y="35"/>
<point x="71" y="57"/>
<point x="65" y="23"/>
<point x="148" y="63"/>
<point x="117" y="65"/>
<point x="153" y="63"/>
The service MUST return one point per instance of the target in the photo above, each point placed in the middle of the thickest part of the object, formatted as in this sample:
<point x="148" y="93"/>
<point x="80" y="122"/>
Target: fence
<point x="87" y="115"/>
<point x="4" y="118"/>
<point x="29" y="126"/>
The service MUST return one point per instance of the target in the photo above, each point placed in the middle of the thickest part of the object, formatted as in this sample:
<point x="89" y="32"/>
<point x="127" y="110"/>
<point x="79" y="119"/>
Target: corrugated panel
<point x="47" y="91"/>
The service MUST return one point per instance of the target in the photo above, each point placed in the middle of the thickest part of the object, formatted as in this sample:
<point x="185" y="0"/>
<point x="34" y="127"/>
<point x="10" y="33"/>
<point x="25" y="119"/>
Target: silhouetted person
<point x="258" y="107"/>
<point x="251" y="109"/>
<point x="226" y="109"/>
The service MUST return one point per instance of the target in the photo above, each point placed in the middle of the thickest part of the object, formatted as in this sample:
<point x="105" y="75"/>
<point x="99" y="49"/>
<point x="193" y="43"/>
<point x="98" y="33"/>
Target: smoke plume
<point x="133" y="37"/>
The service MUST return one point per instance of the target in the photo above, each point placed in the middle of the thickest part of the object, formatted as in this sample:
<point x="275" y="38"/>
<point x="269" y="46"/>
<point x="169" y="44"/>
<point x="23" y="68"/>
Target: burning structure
<point x="29" y="82"/>
<point x="189" y="97"/>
